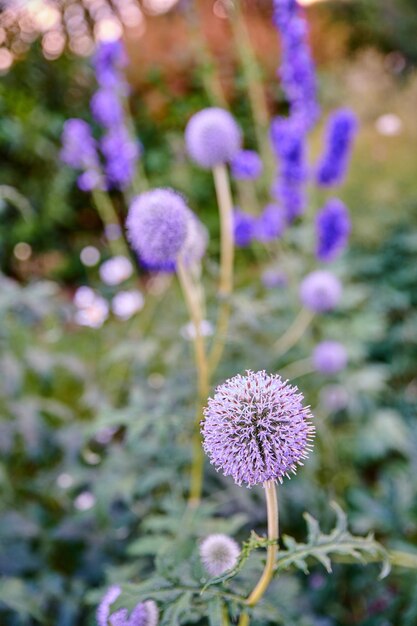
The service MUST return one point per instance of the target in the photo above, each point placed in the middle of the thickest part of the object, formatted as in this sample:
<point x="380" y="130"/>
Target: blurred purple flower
<point x="291" y="196"/>
<point x="341" y="131"/>
<point x="109" y="60"/>
<point x="329" y="357"/>
<point x="256" y="428"/>
<point x="244" y="228"/>
<point x="246" y="165"/>
<point x="144" y="613"/>
<point x="103" y="609"/>
<point x="270" y="224"/>
<point x="121" y="153"/>
<point x="78" y="145"/>
<point x="320" y="291"/>
<point x="274" y="277"/>
<point x="212" y="137"/>
<point x="106" y="108"/>
<point x="297" y="68"/>
<point x="89" y="180"/>
<point x="333" y="228"/>
<point x="159" y="224"/>
<point x="116" y="270"/>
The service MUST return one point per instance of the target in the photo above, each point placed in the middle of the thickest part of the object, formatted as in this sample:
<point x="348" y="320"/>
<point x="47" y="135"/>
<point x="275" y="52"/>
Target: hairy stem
<point x="273" y="529"/>
<point x="194" y="306"/>
<point x="294" y="332"/>
<point x="225" y="203"/>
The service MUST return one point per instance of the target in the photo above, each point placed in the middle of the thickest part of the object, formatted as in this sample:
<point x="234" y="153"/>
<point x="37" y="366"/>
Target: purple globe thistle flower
<point x="270" y="224"/>
<point x="159" y="224"/>
<point x="341" y="131"/>
<point x="106" y="108"/>
<point x="329" y="357"/>
<point x="320" y="291"/>
<point x="212" y="137"/>
<point x="219" y="553"/>
<point x="121" y="153"/>
<point x="109" y="60"/>
<point x="333" y="228"/>
<point x="246" y="165"/>
<point x="244" y="225"/>
<point x="78" y="145"/>
<point x="256" y="428"/>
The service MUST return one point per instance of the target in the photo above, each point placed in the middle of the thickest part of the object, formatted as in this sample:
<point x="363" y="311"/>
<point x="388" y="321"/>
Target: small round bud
<point x="329" y="357"/>
<point x="219" y="553"/>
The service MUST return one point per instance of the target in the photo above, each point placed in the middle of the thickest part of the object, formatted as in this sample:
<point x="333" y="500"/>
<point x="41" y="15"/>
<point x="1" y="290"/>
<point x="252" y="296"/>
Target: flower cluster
<point x="333" y="228"/>
<point x="161" y="228"/>
<point x="341" y="130"/>
<point x="144" y="613"/>
<point x="117" y="152"/>
<point x="256" y="428"/>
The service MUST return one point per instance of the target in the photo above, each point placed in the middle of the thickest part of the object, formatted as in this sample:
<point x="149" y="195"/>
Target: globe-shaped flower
<point x="320" y="291"/>
<point x="212" y="137"/>
<point x="219" y="553"/>
<point x="256" y="428"/>
<point x="157" y="227"/>
<point x="329" y="357"/>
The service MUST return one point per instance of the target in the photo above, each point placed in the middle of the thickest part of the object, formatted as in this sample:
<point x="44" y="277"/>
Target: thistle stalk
<point x="267" y="574"/>
<point x="194" y="306"/>
<point x="225" y="203"/>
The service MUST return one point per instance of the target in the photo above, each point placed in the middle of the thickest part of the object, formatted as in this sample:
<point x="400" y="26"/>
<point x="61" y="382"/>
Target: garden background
<point x="94" y="423"/>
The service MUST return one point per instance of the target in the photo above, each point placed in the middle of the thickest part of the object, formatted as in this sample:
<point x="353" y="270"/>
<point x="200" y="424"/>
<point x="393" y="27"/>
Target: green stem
<point x="272" y="549"/>
<point x="227" y="249"/>
<point x="109" y="218"/>
<point x="294" y="332"/>
<point x="194" y="307"/>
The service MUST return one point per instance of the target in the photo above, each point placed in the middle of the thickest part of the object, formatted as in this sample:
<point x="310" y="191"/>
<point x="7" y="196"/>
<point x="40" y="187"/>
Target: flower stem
<point x="273" y="526"/>
<point x="225" y="203"/>
<point x="194" y="306"/>
<point x="109" y="217"/>
<point x="294" y="332"/>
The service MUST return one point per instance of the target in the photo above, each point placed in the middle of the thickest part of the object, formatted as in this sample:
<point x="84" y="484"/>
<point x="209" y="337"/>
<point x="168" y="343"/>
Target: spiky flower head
<point x="320" y="291"/>
<point x="144" y="613"/>
<point x="219" y="553"/>
<point x="161" y="227"/>
<point x="333" y="228"/>
<point x="329" y="357"/>
<point x="212" y="137"/>
<point x="256" y="428"/>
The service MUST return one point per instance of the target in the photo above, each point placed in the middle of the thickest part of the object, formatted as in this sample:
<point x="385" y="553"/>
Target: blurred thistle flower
<point x="334" y="397"/>
<point x="244" y="225"/>
<point x="212" y="137"/>
<point x="333" y="228"/>
<point x="341" y="129"/>
<point x="127" y="303"/>
<point x="270" y="224"/>
<point x="219" y="553"/>
<point x="144" y="613"/>
<point x="78" y="145"/>
<point x="89" y="256"/>
<point x="121" y="153"/>
<point x="116" y="270"/>
<point x="246" y="165"/>
<point x="256" y="428"/>
<point x="297" y="68"/>
<point x="109" y="61"/>
<point x="92" y="311"/>
<point x="89" y="180"/>
<point x="159" y="227"/>
<point x="189" y="330"/>
<point x="106" y="108"/>
<point x="329" y="357"/>
<point x="320" y="291"/>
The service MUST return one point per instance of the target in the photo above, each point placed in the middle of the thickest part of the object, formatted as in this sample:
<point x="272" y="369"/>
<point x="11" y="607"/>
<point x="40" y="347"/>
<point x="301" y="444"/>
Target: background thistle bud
<point x="219" y="553"/>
